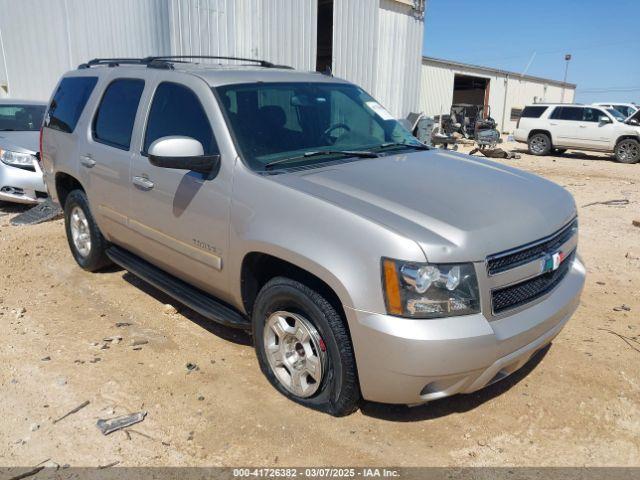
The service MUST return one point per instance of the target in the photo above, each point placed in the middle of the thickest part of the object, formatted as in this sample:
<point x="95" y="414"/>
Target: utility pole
<point x="567" y="59"/>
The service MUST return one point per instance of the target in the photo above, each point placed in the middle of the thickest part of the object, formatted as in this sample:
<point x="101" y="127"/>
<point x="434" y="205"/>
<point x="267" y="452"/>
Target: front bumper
<point x="21" y="186"/>
<point x="410" y="361"/>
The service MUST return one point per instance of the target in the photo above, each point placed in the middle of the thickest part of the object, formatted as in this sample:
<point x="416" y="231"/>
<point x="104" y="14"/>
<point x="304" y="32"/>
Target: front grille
<point x="501" y="262"/>
<point x="515" y="295"/>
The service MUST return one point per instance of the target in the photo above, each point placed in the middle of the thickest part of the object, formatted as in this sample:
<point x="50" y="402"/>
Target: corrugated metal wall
<point x="281" y="31"/>
<point x="377" y="44"/>
<point x="399" y="58"/>
<point x="42" y="39"/>
<point x="355" y="41"/>
<point x="436" y="91"/>
<point x="70" y="32"/>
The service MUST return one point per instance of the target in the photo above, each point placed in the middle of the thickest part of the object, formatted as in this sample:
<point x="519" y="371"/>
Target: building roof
<point x="491" y="70"/>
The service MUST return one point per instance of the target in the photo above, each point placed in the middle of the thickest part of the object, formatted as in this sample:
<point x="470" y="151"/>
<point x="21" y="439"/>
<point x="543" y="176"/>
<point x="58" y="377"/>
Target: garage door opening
<point x="471" y="90"/>
<point x="324" y="55"/>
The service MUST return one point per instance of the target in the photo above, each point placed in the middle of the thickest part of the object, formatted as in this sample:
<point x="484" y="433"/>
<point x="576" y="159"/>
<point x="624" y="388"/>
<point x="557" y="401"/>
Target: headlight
<point x="428" y="290"/>
<point x="16" y="159"/>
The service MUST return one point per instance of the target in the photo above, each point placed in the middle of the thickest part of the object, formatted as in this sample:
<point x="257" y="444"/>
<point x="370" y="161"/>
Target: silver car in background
<point x="20" y="175"/>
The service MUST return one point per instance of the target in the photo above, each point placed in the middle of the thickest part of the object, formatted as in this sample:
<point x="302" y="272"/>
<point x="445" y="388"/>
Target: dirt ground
<point x="577" y="403"/>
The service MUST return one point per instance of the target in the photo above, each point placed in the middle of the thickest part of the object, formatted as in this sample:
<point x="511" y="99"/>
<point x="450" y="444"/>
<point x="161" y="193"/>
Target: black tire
<point x="338" y="393"/>
<point x="96" y="258"/>
<point x="540" y="144"/>
<point x="628" y="151"/>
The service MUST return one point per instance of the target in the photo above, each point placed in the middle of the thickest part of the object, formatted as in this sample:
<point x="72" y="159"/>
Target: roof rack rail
<point x="167" y="61"/>
<point x="111" y="62"/>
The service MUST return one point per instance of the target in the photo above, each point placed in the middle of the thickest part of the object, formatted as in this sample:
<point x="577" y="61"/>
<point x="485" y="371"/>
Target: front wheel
<point x="628" y="151"/>
<point x="540" y="144"/>
<point x="86" y="242"/>
<point x="303" y="347"/>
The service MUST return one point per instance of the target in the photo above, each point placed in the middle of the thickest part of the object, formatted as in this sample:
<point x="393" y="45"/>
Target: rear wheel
<point x="628" y="151"/>
<point x="86" y="242"/>
<point x="304" y="348"/>
<point x="539" y="144"/>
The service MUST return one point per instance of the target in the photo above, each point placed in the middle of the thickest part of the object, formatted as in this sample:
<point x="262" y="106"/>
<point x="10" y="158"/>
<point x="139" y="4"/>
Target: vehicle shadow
<point x="456" y="404"/>
<point x="234" y="335"/>
<point x="574" y="154"/>
<point x="8" y="208"/>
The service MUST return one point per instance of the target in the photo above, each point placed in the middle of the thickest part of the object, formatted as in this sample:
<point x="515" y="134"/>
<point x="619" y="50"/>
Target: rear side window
<point x="533" y="112"/>
<point x="116" y="114"/>
<point x="568" y="113"/>
<point x="592" y="115"/>
<point x="68" y="102"/>
<point x="176" y="110"/>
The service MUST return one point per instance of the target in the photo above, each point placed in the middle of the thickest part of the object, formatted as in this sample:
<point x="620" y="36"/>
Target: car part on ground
<point x="43" y="212"/>
<point x="495" y="153"/>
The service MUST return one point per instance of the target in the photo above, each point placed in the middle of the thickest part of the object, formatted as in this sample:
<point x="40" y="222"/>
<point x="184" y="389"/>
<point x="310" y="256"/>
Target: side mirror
<point x="633" y="121"/>
<point x="182" y="153"/>
<point x="604" y="119"/>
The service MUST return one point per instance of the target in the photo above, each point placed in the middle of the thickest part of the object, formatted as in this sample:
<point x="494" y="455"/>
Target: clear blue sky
<point x="602" y="35"/>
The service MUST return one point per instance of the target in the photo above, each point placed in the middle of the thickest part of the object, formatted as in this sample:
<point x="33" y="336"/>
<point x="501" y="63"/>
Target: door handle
<point x="553" y="123"/>
<point x="582" y="126"/>
<point x="87" y="161"/>
<point x="143" y="182"/>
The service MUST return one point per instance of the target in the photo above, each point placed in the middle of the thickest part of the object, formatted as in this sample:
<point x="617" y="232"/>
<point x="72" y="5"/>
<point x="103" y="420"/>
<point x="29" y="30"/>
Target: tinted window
<point x="281" y="122"/>
<point x="624" y="110"/>
<point x="592" y="115"/>
<point x="176" y="110"/>
<point x="533" y="112"/>
<point x="21" y="118"/>
<point x="114" y="119"/>
<point x="568" y="113"/>
<point x="68" y="102"/>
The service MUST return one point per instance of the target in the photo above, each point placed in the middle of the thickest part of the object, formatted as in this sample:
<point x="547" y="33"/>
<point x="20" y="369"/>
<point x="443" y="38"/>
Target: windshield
<point x="21" y="118"/>
<point x="273" y="122"/>
<point x="616" y="114"/>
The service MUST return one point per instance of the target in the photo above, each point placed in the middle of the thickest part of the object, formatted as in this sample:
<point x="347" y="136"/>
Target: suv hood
<point x="457" y="207"/>
<point x="23" y="142"/>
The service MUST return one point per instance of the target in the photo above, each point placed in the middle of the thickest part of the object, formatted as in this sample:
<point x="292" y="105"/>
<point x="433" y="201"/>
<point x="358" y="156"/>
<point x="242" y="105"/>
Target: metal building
<point x="374" y="43"/>
<point x="444" y="83"/>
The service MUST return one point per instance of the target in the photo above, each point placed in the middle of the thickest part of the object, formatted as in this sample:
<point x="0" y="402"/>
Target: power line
<point x="610" y="89"/>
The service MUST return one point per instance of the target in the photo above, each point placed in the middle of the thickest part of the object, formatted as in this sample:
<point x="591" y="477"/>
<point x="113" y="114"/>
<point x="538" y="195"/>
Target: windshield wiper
<point x="346" y="153"/>
<point x="419" y="146"/>
<point x="8" y="130"/>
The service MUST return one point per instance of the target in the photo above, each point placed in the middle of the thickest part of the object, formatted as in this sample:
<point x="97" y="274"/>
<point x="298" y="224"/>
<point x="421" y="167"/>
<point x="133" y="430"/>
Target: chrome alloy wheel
<point x="538" y="144"/>
<point x="80" y="232"/>
<point x="295" y="352"/>
<point x="629" y="152"/>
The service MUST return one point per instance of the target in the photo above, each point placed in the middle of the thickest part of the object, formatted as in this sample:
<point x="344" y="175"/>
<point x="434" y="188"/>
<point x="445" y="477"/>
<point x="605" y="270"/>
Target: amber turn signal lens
<point x="392" y="287"/>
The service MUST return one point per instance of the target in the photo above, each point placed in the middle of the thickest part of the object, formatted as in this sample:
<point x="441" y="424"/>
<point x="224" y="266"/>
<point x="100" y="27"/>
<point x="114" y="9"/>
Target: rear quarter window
<point x="113" y="122"/>
<point x="532" y="112"/>
<point x="568" y="113"/>
<point x="68" y="102"/>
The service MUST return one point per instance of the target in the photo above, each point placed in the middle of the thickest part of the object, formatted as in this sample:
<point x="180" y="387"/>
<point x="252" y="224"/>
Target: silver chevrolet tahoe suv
<point x="293" y="205"/>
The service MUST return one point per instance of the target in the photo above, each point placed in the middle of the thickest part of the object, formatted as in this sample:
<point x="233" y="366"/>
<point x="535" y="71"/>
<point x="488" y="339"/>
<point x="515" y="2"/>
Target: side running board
<point x="192" y="297"/>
